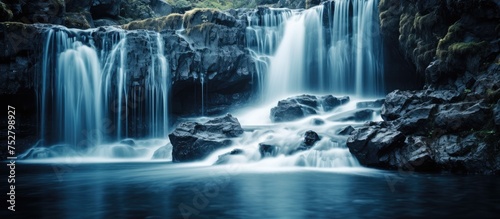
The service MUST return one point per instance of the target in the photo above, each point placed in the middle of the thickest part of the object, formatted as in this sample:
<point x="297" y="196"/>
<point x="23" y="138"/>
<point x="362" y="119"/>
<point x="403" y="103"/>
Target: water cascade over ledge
<point x="89" y="94"/>
<point x="106" y="90"/>
<point x="331" y="48"/>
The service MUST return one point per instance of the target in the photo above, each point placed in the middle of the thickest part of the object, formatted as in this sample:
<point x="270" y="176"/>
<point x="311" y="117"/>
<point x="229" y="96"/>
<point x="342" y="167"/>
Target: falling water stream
<point x="93" y="96"/>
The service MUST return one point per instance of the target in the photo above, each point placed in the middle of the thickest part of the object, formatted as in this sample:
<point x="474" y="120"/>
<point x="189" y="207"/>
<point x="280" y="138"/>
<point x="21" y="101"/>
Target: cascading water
<point x="264" y="34"/>
<point x="90" y="87"/>
<point x="333" y="48"/>
<point x="94" y="91"/>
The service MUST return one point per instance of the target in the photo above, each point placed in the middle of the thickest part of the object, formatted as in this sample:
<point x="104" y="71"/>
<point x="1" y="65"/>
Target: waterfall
<point x="331" y="48"/>
<point x="95" y="88"/>
<point x="264" y="34"/>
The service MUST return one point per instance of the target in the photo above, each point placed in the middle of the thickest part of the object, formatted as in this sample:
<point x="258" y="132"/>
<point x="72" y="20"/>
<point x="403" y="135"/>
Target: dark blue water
<point x="165" y="190"/>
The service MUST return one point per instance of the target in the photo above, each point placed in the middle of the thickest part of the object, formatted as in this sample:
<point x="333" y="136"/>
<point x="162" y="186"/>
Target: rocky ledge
<point x="433" y="130"/>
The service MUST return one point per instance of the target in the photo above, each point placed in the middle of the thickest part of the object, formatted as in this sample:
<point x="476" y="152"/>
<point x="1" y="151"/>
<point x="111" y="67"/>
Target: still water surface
<point x="166" y="190"/>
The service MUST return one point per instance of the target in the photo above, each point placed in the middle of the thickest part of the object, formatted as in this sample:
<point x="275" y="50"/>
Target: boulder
<point x="330" y="102"/>
<point x="310" y="138"/>
<point x="194" y="141"/>
<point x="298" y="107"/>
<point x="294" y="108"/>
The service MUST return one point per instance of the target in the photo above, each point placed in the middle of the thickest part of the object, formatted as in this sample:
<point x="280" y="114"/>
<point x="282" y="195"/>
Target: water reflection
<point x="156" y="190"/>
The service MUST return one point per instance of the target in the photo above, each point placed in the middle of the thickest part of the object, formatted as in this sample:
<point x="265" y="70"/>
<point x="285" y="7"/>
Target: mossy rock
<point x="207" y="15"/>
<point x="455" y="33"/>
<point x="78" y="20"/>
<point x="467" y="48"/>
<point x="172" y="22"/>
<point x="425" y="22"/>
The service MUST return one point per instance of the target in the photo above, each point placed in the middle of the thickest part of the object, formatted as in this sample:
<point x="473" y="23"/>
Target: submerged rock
<point x="224" y="159"/>
<point x="194" y="141"/>
<point x="163" y="153"/>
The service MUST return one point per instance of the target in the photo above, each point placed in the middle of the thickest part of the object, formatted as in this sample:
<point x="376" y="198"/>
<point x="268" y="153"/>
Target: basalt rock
<point x="194" y="141"/>
<point x="431" y="130"/>
<point x="301" y="106"/>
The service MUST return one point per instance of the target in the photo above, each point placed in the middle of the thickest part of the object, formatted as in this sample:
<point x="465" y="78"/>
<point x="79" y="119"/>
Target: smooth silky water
<point x="110" y="172"/>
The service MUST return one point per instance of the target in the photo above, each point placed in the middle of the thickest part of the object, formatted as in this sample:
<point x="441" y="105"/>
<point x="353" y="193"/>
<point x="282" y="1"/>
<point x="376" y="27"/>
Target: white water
<point x="332" y="48"/>
<point x="319" y="50"/>
<point x="87" y="95"/>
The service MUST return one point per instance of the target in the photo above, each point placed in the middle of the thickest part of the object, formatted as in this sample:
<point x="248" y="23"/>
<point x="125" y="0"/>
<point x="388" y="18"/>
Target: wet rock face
<point x="443" y="39"/>
<point x="431" y="130"/>
<point x="194" y="141"/>
<point x="301" y="106"/>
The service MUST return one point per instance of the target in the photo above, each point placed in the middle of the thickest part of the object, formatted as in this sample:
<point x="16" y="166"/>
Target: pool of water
<point x="167" y="190"/>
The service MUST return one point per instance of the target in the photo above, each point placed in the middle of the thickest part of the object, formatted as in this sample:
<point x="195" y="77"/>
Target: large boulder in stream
<point x="194" y="141"/>
<point x="298" y="107"/>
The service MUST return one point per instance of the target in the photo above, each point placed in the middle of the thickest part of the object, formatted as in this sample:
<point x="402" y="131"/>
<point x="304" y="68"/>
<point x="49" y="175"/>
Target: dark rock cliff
<point x="451" y="125"/>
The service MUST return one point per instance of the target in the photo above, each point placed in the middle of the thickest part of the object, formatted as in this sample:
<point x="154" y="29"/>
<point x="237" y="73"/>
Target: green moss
<point x="172" y="21"/>
<point x="424" y="22"/>
<point x="205" y="14"/>
<point x="217" y="4"/>
<point x="454" y="34"/>
<point x="463" y="48"/>
<point x="76" y="20"/>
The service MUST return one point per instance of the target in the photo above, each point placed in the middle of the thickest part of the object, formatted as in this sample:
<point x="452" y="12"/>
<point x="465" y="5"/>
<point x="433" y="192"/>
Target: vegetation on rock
<point x="172" y="21"/>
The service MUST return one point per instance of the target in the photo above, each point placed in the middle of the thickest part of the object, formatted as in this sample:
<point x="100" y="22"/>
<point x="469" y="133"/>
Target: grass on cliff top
<point x="218" y="4"/>
<point x="172" y="21"/>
